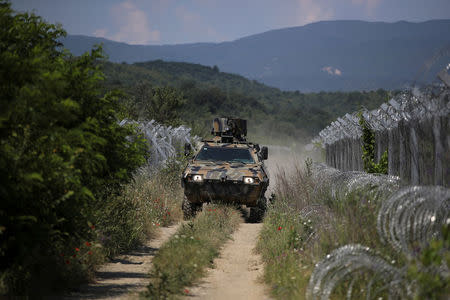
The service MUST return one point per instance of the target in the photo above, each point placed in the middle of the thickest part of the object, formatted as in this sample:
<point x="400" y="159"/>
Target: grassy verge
<point x="136" y="215"/>
<point x="305" y="224"/>
<point x="185" y="257"/>
<point x="281" y="245"/>
<point x="120" y="224"/>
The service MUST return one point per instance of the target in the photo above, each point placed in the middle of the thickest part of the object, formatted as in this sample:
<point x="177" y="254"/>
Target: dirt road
<point x="126" y="275"/>
<point x="237" y="271"/>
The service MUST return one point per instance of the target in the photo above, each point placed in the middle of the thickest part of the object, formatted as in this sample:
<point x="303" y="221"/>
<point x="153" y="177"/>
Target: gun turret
<point x="230" y="129"/>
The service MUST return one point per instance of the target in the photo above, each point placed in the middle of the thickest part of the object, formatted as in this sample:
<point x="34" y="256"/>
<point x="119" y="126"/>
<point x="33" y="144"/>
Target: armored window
<point x="225" y="155"/>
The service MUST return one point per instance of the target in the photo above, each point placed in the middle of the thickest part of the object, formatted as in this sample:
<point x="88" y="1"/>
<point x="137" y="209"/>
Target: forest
<point x="204" y="92"/>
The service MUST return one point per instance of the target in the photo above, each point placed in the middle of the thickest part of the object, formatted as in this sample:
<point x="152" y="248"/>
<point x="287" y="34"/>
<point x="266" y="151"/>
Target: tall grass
<point x="282" y="245"/>
<point x="136" y="214"/>
<point x="306" y="222"/>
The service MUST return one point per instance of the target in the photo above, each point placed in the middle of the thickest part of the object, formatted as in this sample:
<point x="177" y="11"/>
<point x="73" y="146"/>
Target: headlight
<point x="197" y="178"/>
<point x="249" y="180"/>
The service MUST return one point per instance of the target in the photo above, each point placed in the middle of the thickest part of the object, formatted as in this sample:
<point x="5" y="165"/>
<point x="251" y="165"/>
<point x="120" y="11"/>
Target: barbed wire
<point x="412" y="127"/>
<point x="163" y="142"/>
<point x="410" y="217"/>
<point x="413" y="216"/>
<point x="352" y="262"/>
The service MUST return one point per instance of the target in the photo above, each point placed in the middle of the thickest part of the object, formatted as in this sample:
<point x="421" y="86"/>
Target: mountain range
<point x="322" y="56"/>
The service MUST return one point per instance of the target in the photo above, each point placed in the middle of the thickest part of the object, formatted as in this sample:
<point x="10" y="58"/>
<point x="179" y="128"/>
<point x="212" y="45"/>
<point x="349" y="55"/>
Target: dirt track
<point x="237" y="271"/>
<point x="126" y="275"/>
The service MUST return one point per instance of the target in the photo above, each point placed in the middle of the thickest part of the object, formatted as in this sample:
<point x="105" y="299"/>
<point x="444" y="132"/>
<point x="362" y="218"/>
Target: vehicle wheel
<point x="257" y="213"/>
<point x="190" y="209"/>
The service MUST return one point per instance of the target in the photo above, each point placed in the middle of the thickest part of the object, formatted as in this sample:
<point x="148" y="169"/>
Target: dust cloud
<point x="282" y="159"/>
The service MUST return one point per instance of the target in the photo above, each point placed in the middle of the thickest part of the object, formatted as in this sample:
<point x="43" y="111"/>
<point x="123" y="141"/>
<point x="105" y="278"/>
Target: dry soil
<point x="237" y="272"/>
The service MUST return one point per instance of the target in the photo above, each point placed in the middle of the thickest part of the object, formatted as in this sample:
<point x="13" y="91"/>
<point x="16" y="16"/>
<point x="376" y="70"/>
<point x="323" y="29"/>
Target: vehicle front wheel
<point x="190" y="209"/>
<point x="257" y="213"/>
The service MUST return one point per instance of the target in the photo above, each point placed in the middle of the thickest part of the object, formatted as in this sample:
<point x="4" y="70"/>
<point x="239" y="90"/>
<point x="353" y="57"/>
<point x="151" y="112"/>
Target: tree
<point x="164" y="105"/>
<point x="61" y="145"/>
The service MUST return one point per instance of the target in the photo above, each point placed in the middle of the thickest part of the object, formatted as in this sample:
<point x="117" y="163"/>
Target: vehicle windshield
<point x="225" y="154"/>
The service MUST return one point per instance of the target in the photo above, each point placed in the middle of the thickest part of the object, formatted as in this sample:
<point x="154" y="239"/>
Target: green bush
<point x="60" y="148"/>
<point x="368" y="148"/>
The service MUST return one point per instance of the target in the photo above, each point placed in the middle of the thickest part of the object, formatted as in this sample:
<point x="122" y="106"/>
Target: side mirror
<point x="264" y="153"/>
<point x="187" y="149"/>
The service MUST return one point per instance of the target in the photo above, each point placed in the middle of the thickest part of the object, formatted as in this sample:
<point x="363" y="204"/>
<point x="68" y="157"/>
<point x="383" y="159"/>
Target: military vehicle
<point x="226" y="169"/>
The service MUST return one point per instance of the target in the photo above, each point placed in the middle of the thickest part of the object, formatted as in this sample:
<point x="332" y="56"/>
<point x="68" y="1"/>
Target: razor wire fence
<point x="341" y="183"/>
<point x="163" y="142"/>
<point x="413" y="127"/>
<point x="409" y="218"/>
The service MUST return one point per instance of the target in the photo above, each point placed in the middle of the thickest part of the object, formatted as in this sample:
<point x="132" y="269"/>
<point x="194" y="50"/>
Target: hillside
<point x="323" y="56"/>
<point x="210" y="92"/>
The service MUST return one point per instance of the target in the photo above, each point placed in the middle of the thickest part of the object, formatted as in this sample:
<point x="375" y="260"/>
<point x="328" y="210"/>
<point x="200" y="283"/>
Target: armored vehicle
<point x="226" y="169"/>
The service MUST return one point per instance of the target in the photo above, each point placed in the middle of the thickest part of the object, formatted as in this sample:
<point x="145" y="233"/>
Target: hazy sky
<point x="184" y="21"/>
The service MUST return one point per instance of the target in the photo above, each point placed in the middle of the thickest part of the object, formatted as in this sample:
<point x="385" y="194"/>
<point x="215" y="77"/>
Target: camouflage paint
<point x="225" y="181"/>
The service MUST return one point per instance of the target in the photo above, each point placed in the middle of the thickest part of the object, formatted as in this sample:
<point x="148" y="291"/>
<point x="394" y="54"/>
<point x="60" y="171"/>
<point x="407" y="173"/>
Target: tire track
<point x="237" y="270"/>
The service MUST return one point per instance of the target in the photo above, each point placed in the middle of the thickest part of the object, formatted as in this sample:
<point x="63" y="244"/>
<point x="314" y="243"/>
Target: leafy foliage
<point x="161" y="104"/>
<point x="368" y="148"/>
<point x="136" y="214"/>
<point x="61" y="146"/>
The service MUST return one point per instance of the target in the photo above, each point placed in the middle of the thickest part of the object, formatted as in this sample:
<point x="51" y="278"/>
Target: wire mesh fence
<point x="413" y="127"/>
